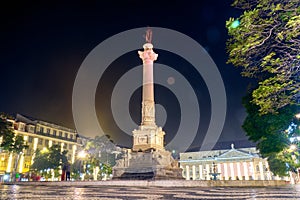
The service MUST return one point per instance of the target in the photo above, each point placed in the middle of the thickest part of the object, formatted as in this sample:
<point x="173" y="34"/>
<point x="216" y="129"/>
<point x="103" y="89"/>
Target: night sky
<point x="43" y="45"/>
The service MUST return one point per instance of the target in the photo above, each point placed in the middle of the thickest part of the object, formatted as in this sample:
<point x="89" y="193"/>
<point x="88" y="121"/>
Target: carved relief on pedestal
<point x="148" y="112"/>
<point x="143" y="139"/>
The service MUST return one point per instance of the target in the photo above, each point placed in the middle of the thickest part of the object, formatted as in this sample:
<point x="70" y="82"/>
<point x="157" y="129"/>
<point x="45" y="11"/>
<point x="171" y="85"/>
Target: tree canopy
<point x="10" y="141"/>
<point x="272" y="133"/>
<point x="51" y="158"/>
<point x="100" y="154"/>
<point x="265" y="42"/>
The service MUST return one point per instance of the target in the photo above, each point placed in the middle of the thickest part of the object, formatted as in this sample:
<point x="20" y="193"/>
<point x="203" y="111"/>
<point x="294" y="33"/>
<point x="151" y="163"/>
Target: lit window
<point x="40" y="141"/>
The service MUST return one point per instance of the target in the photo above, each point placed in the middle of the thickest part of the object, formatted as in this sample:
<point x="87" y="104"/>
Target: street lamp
<point x="297" y="116"/>
<point x="293" y="147"/>
<point x="82" y="155"/>
<point x="44" y="150"/>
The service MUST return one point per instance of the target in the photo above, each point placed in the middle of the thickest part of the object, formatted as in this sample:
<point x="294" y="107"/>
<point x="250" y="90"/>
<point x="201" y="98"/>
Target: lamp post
<point x="82" y="155"/>
<point x="214" y="173"/>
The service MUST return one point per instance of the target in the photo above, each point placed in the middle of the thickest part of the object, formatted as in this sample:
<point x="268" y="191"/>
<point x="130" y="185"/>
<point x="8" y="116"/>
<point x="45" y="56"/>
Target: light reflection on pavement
<point x="10" y="192"/>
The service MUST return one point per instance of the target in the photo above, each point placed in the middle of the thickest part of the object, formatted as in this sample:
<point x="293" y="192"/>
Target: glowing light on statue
<point x="235" y="23"/>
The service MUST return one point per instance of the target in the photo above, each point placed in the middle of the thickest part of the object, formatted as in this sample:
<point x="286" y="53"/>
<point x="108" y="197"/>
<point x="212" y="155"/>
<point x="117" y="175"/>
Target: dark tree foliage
<point x="101" y="150"/>
<point x="10" y="141"/>
<point x="278" y="165"/>
<point x="269" y="132"/>
<point x="49" y="159"/>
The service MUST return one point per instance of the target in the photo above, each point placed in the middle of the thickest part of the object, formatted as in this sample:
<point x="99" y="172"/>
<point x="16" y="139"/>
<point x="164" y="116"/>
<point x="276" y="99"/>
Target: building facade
<point x="226" y="164"/>
<point x="38" y="135"/>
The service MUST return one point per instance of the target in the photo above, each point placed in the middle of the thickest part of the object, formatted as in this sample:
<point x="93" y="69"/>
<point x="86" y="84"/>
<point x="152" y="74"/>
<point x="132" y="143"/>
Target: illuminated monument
<point x="148" y="158"/>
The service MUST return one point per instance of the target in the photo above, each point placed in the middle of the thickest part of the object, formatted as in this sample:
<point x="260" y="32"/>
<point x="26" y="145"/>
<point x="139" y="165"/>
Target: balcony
<point x="56" y="136"/>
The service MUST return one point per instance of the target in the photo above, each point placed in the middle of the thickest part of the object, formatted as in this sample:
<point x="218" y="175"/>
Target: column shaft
<point x="246" y="174"/>
<point x="225" y="171"/>
<point x="187" y="169"/>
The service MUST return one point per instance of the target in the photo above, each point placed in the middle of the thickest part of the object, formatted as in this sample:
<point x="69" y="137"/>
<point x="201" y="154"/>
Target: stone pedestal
<point x="148" y="137"/>
<point x="153" y="165"/>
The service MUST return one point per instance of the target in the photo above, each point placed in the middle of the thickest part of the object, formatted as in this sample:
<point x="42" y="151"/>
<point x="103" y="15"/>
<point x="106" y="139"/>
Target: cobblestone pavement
<point x="140" y="193"/>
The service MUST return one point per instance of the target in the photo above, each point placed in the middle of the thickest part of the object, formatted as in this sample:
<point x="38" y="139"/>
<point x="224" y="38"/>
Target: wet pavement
<point x="139" y="193"/>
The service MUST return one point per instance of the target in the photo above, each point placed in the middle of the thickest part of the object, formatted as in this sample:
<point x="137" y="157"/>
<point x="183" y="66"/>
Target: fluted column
<point x="246" y="174"/>
<point x="225" y="171"/>
<point x="207" y="172"/>
<point x="194" y="172"/>
<point x="261" y="171"/>
<point x="232" y="171"/>
<point x="252" y="170"/>
<point x="219" y="170"/>
<point x="201" y="172"/>
<point x="148" y="109"/>
<point x="187" y="170"/>
<point x="239" y="173"/>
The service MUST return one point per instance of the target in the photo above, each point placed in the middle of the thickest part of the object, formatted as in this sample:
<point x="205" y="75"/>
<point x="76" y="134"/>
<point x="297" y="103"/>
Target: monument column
<point x="148" y="107"/>
<point x="148" y="159"/>
<point x="149" y="136"/>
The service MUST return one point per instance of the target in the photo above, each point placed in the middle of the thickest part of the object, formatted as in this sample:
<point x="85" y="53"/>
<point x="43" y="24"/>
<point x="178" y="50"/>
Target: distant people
<point x="63" y="174"/>
<point x="68" y="173"/>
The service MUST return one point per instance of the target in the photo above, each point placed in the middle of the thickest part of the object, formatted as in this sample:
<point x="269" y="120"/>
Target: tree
<point x="265" y="42"/>
<point x="271" y="132"/>
<point x="41" y="161"/>
<point x="76" y="169"/>
<point x="100" y="152"/>
<point x="11" y="142"/>
<point x="46" y="159"/>
<point x="278" y="164"/>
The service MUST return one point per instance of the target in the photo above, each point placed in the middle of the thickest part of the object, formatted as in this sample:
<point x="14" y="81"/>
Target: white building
<point x="226" y="164"/>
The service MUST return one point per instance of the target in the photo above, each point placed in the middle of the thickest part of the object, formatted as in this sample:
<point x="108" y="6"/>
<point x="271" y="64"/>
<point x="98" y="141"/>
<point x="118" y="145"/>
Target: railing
<point x="56" y="136"/>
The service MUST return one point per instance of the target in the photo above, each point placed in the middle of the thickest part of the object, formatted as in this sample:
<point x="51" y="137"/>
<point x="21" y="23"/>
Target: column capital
<point x="148" y="56"/>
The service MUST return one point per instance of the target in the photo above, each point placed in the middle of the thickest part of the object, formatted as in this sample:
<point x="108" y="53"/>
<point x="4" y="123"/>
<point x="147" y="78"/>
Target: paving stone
<point x="12" y="192"/>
